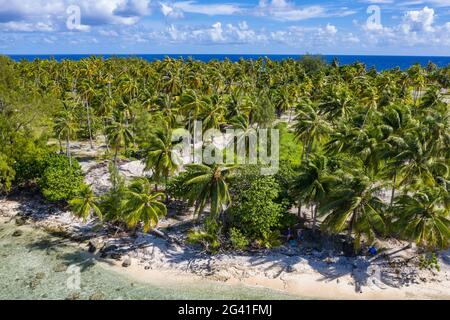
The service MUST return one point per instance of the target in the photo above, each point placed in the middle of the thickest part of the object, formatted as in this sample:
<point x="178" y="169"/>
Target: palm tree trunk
<point x="106" y="135"/>
<point x="89" y="125"/>
<point x="314" y="213"/>
<point x="393" y="188"/>
<point x="308" y="152"/>
<point x="60" y="145"/>
<point x="304" y="149"/>
<point x="116" y="152"/>
<point x="166" y="181"/>
<point x="68" y="150"/>
<point x="299" y="213"/>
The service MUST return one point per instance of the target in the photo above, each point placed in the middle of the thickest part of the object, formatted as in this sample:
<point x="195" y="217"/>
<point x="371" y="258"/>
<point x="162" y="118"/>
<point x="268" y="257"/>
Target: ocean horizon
<point x="379" y="62"/>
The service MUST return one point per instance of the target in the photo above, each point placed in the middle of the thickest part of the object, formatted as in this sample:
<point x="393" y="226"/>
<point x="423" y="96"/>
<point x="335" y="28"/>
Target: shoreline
<point x="148" y="258"/>
<point x="303" y="287"/>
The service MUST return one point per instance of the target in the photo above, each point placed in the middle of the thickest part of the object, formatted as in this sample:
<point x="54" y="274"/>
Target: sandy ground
<point x="303" y="286"/>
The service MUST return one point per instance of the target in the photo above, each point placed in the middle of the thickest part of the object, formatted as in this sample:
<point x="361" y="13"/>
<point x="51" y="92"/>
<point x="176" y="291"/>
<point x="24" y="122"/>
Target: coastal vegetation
<point x="362" y="153"/>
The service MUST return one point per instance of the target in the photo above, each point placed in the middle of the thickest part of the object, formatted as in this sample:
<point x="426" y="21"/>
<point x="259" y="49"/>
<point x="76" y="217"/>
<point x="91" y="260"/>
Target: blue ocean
<point x="379" y="62"/>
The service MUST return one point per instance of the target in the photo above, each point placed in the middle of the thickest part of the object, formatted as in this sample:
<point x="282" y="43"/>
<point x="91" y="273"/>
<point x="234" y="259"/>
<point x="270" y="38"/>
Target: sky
<point x="366" y="27"/>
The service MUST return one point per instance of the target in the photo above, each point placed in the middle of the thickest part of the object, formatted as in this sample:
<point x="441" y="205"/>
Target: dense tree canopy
<point x="369" y="150"/>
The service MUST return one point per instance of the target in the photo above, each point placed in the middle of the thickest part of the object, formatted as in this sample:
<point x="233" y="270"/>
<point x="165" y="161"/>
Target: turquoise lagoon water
<point x="32" y="266"/>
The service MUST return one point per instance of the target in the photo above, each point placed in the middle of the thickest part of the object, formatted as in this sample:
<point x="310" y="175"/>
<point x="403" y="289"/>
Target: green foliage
<point x="208" y="240"/>
<point x="375" y="132"/>
<point x="60" y="180"/>
<point x="177" y="187"/>
<point x="424" y="217"/>
<point x="85" y="203"/>
<point x="7" y="174"/>
<point x="134" y="204"/>
<point x="289" y="221"/>
<point x="290" y="149"/>
<point x="313" y="64"/>
<point x="254" y="210"/>
<point x="429" y="262"/>
<point x="31" y="163"/>
<point x="143" y="205"/>
<point x="285" y="177"/>
<point x="353" y="205"/>
<point x="112" y="203"/>
<point x="238" y="240"/>
<point x="209" y="184"/>
<point x="160" y="156"/>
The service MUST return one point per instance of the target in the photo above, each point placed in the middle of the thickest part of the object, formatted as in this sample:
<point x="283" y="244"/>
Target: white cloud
<point x="207" y="9"/>
<point x="351" y="38"/>
<point x="288" y="11"/>
<point x="38" y="15"/>
<point x="418" y="20"/>
<point x="330" y="29"/>
<point x="170" y="12"/>
<point x="26" y="27"/>
<point x="108" y="33"/>
<point x="218" y="33"/>
<point x="380" y="1"/>
<point x="417" y="28"/>
<point x="283" y="10"/>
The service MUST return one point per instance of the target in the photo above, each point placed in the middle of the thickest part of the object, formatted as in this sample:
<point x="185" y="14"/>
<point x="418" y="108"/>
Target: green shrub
<point x="429" y="262"/>
<point x="290" y="149"/>
<point x="29" y="163"/>
<point x="6" y="174"/>
<point x="112" y="203"/>
<point x="60" y="180"/>
<point x="238" y="240"/>
<point x="254" y="210"/>
<point x="206" y="239"/>
<point x="289" y="220"/>
<point x="176" y="188"/>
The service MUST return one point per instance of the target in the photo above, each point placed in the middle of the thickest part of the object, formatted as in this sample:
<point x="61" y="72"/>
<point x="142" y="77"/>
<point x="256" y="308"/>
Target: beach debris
<point x="17" y="233"/>
<point x="20" y="221"/>
<point x="127" y="263"/>
<point x="96" y="296"/>
<point x="74" y="296"/>
<point x="95" y="245"/>
<point x="60" y="268"/>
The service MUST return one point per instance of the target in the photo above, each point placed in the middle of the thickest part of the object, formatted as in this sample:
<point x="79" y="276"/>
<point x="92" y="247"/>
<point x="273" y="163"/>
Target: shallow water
<point x="33" y="266"/>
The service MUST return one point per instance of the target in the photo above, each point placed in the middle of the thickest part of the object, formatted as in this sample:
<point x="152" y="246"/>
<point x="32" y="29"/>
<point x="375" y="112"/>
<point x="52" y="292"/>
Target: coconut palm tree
<point x="424" y="217"/>
<point x="354" y="205"/>
<point x="337" y="102"/>
<point x="417" y="78"/>
<point x="65" y="127"/>
<point x="161" y="157"/>
<point x="85" y="204"/>
<point x="118" y="133"/>
<point x="209" y="184"/>
<point x="311" y="184"/>
<point x="213" y="115"/>
<point x="143" y="205"/>
<point x="419" y="166"/>
<point x="192" y="104"/>
<point x="310" y="126"/>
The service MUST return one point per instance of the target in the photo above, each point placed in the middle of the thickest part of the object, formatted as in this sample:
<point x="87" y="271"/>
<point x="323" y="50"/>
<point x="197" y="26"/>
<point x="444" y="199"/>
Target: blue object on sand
<point x="373" y="251"/>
